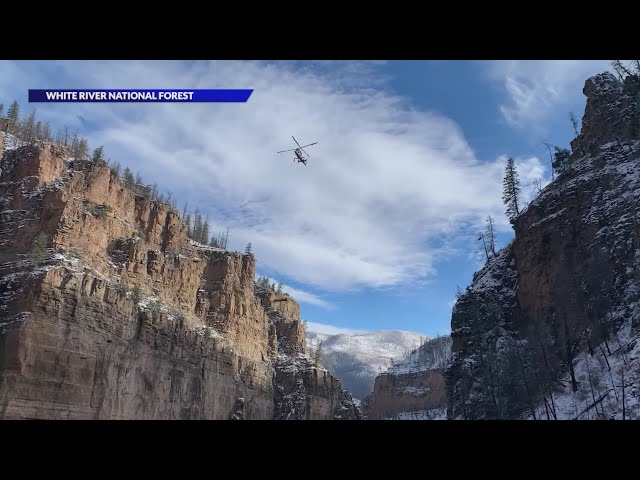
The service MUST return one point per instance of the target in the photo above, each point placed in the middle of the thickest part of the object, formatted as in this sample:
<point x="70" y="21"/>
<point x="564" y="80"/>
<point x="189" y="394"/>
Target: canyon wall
<point x="109" y="311"/>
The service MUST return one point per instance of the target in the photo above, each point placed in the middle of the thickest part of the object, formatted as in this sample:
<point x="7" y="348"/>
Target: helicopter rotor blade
<point x="314" y="143"/>
<point x="294" y="139"/>
<point x="283" y="151"/>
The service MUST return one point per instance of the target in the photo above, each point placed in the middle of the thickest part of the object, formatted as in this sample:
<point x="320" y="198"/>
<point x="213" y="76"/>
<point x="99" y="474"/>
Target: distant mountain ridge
<point x="356" y="358"/>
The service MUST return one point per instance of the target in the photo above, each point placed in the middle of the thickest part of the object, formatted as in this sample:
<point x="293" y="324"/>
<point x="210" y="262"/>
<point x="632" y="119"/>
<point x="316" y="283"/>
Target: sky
<point x="380" y="228"/>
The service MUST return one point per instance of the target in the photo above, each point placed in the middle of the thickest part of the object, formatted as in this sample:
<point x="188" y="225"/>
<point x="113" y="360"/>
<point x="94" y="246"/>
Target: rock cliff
<point x="549" y="328"/>
<point x="109" y="311"/>
<point x="413" y="388"/>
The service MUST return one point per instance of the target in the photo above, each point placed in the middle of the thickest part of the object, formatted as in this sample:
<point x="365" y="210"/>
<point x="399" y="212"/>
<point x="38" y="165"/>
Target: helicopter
<point x="299" y="151"/>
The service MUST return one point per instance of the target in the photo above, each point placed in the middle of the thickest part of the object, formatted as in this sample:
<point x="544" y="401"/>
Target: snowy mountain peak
<point x="357" y="357"/>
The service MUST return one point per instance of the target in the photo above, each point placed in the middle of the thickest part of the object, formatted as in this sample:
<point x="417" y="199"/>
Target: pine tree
<point x="13" y="116"/>
<point x="98" y="154"/>
<point x="154" y="192"/>
<point x="37" y="133"/>
<point x="127" y="176"/>
<point x="116" y="169"/>
<point x="280" y="287"/>
<point x="223" y="243"/>
<point x="187" y="222"/>
<point x="197" y="227"/>
<point x="317" y="355"/>
<point x="138" y="179"/>
<point x="247" y="250"/>
<point x="263" y="283"/>
<point x="511" y="189"/>
<point x="204" y="238"/>
<point x="562" y="159"/>
<point x="490" y="235"/>
<point x="74" y="142"/>
<point x="83" y="149"/>
<point x="1" y="109"/>
<point x="184" y="212"/>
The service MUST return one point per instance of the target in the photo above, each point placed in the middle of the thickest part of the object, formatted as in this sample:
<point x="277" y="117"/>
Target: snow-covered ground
<point x="432" y="414"/>
<point x="608" y="383"/>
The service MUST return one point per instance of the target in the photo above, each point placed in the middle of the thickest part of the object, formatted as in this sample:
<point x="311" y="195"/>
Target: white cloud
<point x="385" y="195"/>
<point x="308" y="298"/>
<point x="535" y="88"/>
<point x="331" y="330"/>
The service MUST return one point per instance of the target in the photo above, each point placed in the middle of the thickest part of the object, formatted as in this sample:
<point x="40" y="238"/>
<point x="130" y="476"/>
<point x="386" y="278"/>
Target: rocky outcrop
<point x="612" y="112"/>
<point x="417" y="395"/>
<point x="413" y="388"/>
<point x="306" y="391"/>
<point x="568" y="282"/>
<point x="118" y="315"/>
<point x="284" y="314"/>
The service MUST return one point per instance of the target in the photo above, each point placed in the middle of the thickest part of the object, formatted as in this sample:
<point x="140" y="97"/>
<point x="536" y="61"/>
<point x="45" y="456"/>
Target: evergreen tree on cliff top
<point x="13" y="115"/>
<point x="511" y="189"/>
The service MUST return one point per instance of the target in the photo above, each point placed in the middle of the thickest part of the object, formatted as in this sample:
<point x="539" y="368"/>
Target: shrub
<point x="97" y="210"/>
<point x="38" y="252"/>
<point x="75" y="253"/>
<point x="154" y="306"/>
<point x="135" y="295"/>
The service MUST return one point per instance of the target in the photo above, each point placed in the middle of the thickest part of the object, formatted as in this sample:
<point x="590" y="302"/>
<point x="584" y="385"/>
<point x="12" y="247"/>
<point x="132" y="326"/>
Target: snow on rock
<point x="11" y="142"/>
<point x="206" y="248"/>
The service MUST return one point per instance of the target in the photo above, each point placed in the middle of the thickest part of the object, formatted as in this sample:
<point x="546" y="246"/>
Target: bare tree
<point x="621" y="69"/>
<point x="484" y="245"/>
<point x="574" y="123"/>
<point x="28" y="127"/>
<point x="537" y="183"/>
<point x="490" y="235"/>
<point x="550" y="159"/>
<point x="46" y="132"/>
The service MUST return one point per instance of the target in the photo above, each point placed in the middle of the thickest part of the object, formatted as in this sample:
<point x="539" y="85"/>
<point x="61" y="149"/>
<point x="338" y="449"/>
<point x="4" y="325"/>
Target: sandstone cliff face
<point x="415" y="395"/>
<point x="413" y="388"/>
<point x="568" y="282"/>
<point x="125" y="317"/>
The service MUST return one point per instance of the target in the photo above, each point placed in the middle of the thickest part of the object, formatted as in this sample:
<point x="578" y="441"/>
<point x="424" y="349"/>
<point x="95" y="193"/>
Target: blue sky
<point x="378" y="230"/>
